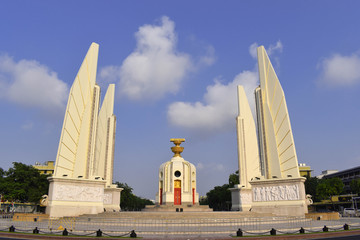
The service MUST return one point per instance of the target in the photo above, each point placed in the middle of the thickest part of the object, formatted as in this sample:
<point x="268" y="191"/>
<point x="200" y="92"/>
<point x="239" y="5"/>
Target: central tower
<point x="177" y="180"/>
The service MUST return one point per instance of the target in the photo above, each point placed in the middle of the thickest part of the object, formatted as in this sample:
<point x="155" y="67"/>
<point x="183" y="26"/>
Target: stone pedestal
<point x="177" y="208"/>
<point x="74" y="197"/>
<point x="112" y="198"/>
<point x="241" y="198"/>
<point x="279" y="196"/>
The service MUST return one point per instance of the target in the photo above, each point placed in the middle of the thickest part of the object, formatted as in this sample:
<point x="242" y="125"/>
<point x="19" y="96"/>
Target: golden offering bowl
<point x="177" y="149"/>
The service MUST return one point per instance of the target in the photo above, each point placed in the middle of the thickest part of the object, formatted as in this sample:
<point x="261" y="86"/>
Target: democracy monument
<point x="177" y="185"/>
<point x="177" y="180"/>
<point x="83" y="174"/>
<point x="269" y="180"/>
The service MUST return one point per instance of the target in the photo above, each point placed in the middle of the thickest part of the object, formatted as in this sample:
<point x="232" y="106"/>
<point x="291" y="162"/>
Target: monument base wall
<point x="70" y="197"/>
<point x="279" y="196"/>
<point x="177" y="208"/>
<point x="186" y="198"/>
<point x="241" y="198"/>
<point x="112" y="197"/>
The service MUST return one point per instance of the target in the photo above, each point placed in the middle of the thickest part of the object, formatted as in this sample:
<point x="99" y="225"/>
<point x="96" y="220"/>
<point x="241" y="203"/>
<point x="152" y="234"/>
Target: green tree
<point x="129" y="201"/>
<point x="329" y="187"/>
<point x="234" y="179"/>
<point x="355" y="186"/>
<point x="23" y="183"/>
<point x="311" y="184"/>
<point x="219" y="198"/>
<point x="203" y="201"/>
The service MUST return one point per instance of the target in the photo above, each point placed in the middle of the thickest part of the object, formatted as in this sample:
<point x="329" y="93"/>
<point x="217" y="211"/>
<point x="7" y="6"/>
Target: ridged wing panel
<point x="74" y="126"/>
<point x="278" y="123"/>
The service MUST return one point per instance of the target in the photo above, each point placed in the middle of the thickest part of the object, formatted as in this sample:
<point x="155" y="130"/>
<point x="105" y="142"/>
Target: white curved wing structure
<point x="275" y="135"/>
<point x="75" y="147"/>
<point x="248" y="154"/>
<point x="105" y="138"/>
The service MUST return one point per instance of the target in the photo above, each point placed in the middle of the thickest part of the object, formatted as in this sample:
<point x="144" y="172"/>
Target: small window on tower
<point x="177" y="174"/>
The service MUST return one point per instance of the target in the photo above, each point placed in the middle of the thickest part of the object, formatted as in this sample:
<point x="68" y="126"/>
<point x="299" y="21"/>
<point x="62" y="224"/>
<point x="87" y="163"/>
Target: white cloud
<point x="253" y="50"/>
<point x="219" y="109"/>
<point x="339" y="70"/>
<point x="31" y="84"/>
<point x="273" y="48"/>
<point x="109" y="73"/>
<point x="209" y="58"/>
<point x="270" y="50"/>
<point x="155" y="67"/>
<point x="200" y="166"/>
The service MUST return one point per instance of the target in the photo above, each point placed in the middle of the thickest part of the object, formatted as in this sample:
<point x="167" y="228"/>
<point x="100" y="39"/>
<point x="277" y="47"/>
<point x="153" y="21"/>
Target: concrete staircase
<point x="177" y="208"/>
<point x="174" y="215"/>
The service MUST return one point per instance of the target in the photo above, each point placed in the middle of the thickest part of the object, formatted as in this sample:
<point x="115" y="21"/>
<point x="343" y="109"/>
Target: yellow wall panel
<point x="66" y="163"/>
<point x="84" y="84"/>
<point x="78" y="98"/>
<point x="71" y="129"/>
<point x="280" y="120"/>
<point x="67" y="153"/>
<point x="69" y="141"/>
<point x="277" y="103"/>
<point x="74" y="114"/>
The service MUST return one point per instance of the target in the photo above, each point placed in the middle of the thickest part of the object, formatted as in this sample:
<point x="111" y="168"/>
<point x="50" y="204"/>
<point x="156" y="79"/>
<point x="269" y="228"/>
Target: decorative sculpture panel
<point x="78" y="193"/>
<point x="107" y="198"/>
<point x="276" y="193"/>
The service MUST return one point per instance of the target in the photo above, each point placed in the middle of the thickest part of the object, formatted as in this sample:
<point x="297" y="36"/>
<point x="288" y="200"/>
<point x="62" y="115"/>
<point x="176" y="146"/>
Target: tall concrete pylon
<point x="76" y="145"/>
<point x="105" y="138"/>
<point x="82" y="180"/>
<point x="248" y="154"/>
<point x="277" y="147"/>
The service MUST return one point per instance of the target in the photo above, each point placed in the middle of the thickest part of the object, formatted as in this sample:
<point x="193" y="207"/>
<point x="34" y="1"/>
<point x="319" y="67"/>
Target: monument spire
<point x="177" y="182"/>
<point x="177" y="149"/>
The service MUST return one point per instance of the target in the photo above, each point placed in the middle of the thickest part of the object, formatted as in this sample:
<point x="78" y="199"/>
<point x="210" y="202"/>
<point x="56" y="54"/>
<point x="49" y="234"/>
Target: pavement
<point x="343" y="235"/>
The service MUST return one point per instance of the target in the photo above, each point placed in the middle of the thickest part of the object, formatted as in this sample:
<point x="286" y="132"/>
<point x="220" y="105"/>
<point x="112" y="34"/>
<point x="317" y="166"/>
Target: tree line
<point x="219" y="198"/>
<point x="24" y="183"/>
<point x="129" y="201"/>
<point x="321" y="189"/>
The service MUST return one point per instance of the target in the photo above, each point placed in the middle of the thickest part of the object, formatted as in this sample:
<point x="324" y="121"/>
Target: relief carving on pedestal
<point x="245" y="198"/>
<point x="276" y="193"/>
<point x="107" y="198"/>
<point x="78" y="193"/>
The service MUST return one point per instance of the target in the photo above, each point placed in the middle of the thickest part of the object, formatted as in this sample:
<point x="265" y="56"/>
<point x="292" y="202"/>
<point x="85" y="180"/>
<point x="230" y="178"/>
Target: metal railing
<point x="164" y="228"/>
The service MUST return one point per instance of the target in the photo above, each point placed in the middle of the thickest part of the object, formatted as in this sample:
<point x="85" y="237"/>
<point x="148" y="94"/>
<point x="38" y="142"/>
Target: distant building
<point x="346" y="176"/>
<point x="305" y="171"/>
<point x="326" y="172"/>
<point x="46" y="168"/>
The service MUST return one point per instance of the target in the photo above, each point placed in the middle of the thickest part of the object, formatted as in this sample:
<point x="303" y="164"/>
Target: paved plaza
<point x="212" y="225"/>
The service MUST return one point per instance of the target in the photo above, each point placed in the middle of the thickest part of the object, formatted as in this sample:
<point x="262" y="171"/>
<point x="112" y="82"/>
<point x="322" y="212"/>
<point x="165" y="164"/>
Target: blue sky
<point x="176" y="65"/>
